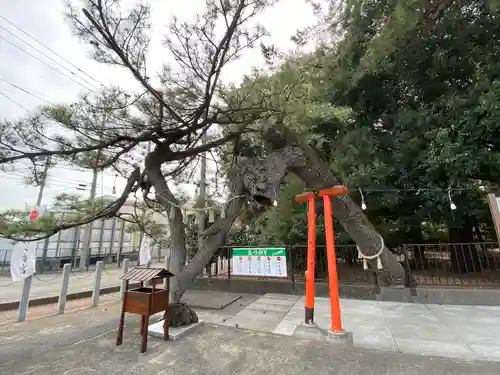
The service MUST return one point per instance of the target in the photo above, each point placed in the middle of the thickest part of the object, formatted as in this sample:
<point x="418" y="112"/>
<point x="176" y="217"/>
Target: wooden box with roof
<point x="145" y="300"/>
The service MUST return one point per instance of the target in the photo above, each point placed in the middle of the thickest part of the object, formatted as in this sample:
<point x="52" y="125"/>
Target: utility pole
<point x="87" y="236"/>
<point x="39" y="202"/>
<point x="25" y="297"/>
<point x="42" y="183"/>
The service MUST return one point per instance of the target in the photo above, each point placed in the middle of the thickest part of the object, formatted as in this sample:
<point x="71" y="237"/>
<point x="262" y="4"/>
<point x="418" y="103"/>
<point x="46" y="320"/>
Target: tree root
<point x="180" y="314"/>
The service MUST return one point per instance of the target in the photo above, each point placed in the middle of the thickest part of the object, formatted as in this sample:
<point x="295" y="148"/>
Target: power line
<point x="52" y="183"/>
<point x="25" y="91"/>
<point x="50" y="49"/>
<point x="43" y="62"/>
<point x="58" y="63"/>
<point x="19" y="174"/>
<point x="40" y="98"/>
<point x="54" y="187"/>
<point x="416" y="190"/>
<point x="26" y="168"/>
<point x="47" y="56"/>
<point x="49" y="186"/>
<point x="21" y="178"/>
<point x="13" y="101"/>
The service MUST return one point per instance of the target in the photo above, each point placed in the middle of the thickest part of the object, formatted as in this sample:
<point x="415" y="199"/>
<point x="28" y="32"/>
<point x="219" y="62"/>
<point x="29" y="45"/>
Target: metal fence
<point x="453" y="264"/>
<point x="445" y="264"/>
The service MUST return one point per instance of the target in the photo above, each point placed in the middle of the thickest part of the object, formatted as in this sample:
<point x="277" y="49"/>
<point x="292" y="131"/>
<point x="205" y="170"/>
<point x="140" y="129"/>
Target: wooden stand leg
<point x="144" y="326"/>
<point x="119" y="338"/>
<point x="165" y="326"/>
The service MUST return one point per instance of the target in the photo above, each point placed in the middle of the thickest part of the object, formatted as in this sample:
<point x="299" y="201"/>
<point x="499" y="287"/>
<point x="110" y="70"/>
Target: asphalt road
<point x="84" y="343"/>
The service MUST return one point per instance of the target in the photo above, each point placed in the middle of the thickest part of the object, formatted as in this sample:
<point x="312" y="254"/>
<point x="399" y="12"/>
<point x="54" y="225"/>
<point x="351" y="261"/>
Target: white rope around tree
<point x="366" y="258"/>
<point x="210" y="209"/>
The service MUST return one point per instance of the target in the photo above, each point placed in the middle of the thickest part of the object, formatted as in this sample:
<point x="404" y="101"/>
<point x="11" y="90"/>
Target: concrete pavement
<point x="465" y="332"/>
<point x="84" y="343"/>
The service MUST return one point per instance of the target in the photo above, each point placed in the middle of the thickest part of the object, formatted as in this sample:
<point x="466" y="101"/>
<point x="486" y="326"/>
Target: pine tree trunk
<point x="180" y="313"/>
<point x="348" y="213"/>
<point x="259" y="180"/>
<point x="317" y="175"/>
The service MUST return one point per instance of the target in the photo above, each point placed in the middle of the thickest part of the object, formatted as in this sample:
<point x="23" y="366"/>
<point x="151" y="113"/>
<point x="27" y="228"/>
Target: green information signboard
<point x="268" y="261"/>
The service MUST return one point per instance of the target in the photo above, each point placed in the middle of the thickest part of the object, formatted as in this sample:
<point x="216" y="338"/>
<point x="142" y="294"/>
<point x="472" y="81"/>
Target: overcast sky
<point x="45" y="21"/>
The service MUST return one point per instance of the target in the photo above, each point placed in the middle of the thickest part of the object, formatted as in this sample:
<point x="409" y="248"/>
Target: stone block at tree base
<point x="174" y="333"/>
<point x="313" y="332"/>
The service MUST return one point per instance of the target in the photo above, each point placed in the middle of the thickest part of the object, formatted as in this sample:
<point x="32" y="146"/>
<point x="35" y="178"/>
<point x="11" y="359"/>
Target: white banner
<point x="23" y="260"/>
<point x="145" y="250"/>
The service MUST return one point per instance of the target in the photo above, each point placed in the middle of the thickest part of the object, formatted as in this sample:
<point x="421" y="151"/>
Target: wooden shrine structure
<point x="146" y="300"/>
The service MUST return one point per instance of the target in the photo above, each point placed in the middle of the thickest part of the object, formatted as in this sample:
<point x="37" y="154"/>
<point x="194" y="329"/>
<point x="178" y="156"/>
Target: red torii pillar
<point x="311" y="254"/>
<point x="330" y="253"/>
<point x="336" y="333"/>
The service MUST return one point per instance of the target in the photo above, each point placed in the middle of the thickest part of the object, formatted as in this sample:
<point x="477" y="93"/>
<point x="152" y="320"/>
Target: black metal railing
<point x="453" y="264"/>
<point x="349" y="267"/>
<point x="445" y="264"/>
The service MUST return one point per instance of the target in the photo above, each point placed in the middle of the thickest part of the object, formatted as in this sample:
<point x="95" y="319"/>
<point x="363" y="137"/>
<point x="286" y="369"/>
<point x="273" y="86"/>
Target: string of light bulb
<point x="211" y="209"/>
<point x="418" y="190"/>
<point x="453" y="206"/>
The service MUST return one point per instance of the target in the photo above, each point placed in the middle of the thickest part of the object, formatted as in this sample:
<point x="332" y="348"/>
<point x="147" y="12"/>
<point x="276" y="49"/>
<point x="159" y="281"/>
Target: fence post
<point x="97" y="284"/>
<point x="64" y="288"/>
<point x="408" y="278"/>
<point x="124" y="283"/>
<point x="292" y="266"/>
<point x="25" y="299"/>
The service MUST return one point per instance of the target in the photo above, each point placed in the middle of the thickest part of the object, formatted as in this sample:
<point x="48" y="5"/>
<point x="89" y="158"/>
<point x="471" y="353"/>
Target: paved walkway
<point x="49" y="285"/>
<point x="465" y="332"/>
<point x="84" y="343"/>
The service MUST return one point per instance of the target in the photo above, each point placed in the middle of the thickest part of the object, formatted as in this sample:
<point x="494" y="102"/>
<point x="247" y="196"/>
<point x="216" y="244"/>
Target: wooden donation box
<point x="145" y="300"/>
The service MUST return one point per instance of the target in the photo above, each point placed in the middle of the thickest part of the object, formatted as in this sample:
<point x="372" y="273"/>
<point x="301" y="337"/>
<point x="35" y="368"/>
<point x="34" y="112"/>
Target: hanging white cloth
<point x="145" y="251"/>
<point x="23" y="260"/>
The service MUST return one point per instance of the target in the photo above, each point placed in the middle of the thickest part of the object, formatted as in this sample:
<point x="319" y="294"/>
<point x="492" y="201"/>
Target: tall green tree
<point x="420" y="78"/>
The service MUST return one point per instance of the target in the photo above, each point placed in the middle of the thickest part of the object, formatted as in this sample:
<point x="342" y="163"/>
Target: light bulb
<point x="452" y="206"/>
<point x="363" y="206"/>
<point x="275" y="203"/>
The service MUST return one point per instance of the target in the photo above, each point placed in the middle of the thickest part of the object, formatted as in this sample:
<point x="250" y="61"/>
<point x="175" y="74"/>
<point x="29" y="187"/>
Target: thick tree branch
<point x="316" y="175"/>
<point x="106" y="34"/>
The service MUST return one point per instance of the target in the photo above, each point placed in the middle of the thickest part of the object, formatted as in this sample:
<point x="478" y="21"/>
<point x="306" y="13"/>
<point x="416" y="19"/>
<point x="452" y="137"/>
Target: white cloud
<point x="45" y="20"/>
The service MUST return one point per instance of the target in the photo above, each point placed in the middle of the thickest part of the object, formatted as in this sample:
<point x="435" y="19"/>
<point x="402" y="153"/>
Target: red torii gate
<point x="336" y="322"/>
